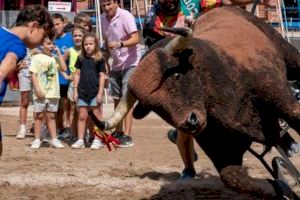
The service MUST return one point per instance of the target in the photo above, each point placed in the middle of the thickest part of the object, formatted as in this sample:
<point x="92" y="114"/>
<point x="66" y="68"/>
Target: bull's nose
<point x="192" y="123"/>
<point x="192" y="119"/>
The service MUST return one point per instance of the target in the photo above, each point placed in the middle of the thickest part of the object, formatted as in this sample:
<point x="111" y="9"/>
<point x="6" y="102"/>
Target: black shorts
<point x="64" y="91"/>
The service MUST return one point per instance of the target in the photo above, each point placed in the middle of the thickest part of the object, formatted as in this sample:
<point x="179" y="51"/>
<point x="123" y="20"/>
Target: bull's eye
<point x="177" y="76"/>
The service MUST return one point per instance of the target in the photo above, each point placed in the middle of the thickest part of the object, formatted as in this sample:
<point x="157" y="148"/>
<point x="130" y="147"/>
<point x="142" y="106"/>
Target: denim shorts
<point x="118" y="81"/>
<point x="92" y="103"/>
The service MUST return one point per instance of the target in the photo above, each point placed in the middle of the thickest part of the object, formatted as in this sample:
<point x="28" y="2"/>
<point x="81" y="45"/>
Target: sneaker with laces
<point x="36" y="144"/>
<point x="21" y="134"/>
<point x="79" y="144"/>
<point x="117" y="134"/>
<point x="65" y="134"/>
<point x="96" y="144"/>
<point x="55" y="143"/>
<point x="125" y="141"/>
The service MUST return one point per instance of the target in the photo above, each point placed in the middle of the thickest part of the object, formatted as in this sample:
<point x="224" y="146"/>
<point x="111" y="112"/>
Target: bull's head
<point x="165" y="82"/>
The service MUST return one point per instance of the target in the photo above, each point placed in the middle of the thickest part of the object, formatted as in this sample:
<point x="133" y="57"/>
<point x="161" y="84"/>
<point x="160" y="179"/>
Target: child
<point x="44" y="68"/>
<point x="32" y="25"/>
<point x="64" y="41"/>
<point x="83" y="20"/>
<point x="88" y="86"/>
<point x="71" y="55"/>
<point x="25" y="86"/>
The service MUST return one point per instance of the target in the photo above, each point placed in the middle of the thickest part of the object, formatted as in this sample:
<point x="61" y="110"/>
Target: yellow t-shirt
<point x="46" y="70"/>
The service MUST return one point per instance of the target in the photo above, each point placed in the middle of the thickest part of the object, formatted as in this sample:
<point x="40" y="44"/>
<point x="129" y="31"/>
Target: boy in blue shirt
<point x="32" y="25"/>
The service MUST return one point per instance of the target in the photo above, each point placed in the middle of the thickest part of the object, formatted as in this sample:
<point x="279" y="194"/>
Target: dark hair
<point x="36" y="13"/>
<point x="58" y="16"/>
<point x="69" y="27"/>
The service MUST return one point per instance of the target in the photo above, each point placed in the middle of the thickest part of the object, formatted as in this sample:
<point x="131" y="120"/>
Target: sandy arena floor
<point x="148" y="170"/>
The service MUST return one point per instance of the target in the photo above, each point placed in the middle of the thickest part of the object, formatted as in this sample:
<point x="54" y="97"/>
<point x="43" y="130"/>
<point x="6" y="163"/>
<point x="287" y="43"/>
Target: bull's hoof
<point x="187" y="174"/>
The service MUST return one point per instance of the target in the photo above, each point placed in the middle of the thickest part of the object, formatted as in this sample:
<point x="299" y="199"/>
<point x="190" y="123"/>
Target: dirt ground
<point x="148" y="170"/>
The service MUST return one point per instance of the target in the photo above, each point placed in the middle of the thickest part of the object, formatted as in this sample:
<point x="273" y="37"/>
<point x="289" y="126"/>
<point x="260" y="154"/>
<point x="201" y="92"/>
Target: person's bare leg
<point x="23" y="114"/>
<point x="128" y="122"/>
<point x="51" y="125"/>
<point x="185" y="144"/>
<point x="24" y="107"/>
<point x="39" y="117"/>
<point x="73" y="118"/>
<point x="119" y="127"/>
<point x="67" y="120"/>
<point x="82" y="118"/>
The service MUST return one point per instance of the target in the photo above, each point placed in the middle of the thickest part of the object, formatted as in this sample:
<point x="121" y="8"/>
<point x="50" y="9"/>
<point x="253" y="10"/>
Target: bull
<point x="225" y="83"/>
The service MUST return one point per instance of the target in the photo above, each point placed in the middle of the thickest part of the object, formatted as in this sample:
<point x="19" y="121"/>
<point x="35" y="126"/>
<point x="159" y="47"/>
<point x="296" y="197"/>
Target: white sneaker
<point x="79" y="144"/>
<point x="21" y="134"/>
<point x="55" y="143"/>
<point x="97" y="144"/>
<point x="36" y="144"/>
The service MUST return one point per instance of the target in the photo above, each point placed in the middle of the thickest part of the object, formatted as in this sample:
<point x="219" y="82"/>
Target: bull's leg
<point x="226" y="151"/>
<point x="286" y="106"/>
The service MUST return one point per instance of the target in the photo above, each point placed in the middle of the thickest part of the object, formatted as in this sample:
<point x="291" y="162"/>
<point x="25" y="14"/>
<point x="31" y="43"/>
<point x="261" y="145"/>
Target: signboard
<point x="59" y="6"/>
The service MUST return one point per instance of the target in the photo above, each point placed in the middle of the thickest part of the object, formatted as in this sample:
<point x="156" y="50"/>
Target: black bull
<point x="228" y="87"/>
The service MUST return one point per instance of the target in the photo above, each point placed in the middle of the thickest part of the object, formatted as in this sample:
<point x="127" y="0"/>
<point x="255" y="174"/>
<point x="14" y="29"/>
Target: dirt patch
<point x="148" y="170"/>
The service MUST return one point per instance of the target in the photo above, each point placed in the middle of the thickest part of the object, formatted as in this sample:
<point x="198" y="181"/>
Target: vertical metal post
<point x="22" y="4"/>
<point x="0" y="140"/>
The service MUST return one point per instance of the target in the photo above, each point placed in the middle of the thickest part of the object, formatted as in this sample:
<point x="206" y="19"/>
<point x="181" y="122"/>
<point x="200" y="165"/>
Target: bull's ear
<point x="140" y="111"/>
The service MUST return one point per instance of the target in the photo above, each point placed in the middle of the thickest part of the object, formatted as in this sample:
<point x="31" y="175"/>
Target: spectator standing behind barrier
<point x="25" y="86"/>
<point x="33" y="23"/>
<point x="89" y="86"/>
<point x="121" y="39"/>
<point x="64" y="41"/>
<point x="44" y="69"/>
<point x="71" y="55"/>
<point x="83" y="20"/>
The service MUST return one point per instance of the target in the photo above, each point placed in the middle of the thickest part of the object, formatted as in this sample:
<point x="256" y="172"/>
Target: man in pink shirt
<point x="121" y="38"/>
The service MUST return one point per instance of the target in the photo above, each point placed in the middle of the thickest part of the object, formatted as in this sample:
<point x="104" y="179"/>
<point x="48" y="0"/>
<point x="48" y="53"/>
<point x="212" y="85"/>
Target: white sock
<point x="23" y="127"/>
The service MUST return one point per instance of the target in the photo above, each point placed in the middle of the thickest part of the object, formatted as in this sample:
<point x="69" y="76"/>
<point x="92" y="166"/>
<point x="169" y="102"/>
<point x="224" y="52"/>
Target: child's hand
<point x="56" y="50"/>
<point x="71" y="77"/>
<point x="114" y="45"/>
<point x="99" y="98"/>
<point x="40" y="94"/>
<point x="22" y="65"/>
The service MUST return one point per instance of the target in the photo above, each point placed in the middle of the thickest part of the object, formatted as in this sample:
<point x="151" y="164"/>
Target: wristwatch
<point x="122" y="44"/>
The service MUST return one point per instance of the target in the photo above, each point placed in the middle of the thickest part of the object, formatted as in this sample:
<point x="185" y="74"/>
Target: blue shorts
<point x="92" y="103"/>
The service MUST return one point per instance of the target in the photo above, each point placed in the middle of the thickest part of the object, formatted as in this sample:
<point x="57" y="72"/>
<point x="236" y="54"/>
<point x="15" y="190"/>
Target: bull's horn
<point x="180" y="42"/>
<point x="124" y="106"/>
